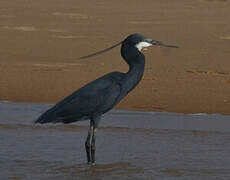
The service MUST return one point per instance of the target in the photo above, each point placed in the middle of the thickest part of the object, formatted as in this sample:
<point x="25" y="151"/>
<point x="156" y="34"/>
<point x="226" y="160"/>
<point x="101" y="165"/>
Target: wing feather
<point x="97" y="97"/>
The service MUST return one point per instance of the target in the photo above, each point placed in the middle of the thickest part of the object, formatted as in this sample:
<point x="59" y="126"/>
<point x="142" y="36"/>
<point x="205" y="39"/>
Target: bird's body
<point x="99" y="96"/>
<point x="93" y="99"/>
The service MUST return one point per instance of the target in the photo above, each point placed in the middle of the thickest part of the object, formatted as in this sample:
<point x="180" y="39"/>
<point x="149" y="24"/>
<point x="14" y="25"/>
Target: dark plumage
<point x="91" y="100"/>
<point x="102" y="94"/>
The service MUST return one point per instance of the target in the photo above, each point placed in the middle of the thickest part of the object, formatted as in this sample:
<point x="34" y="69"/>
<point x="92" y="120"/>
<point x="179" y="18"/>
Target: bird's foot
<point x="91" y="163"/>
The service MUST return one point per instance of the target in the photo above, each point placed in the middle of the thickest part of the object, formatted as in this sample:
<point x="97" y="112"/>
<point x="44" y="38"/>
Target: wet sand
<point x="130" y="145"/>
<point x="40" y="42"/>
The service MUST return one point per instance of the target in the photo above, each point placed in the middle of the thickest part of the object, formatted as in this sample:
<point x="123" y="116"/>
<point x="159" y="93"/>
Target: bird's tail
<point x="47" y="117"/>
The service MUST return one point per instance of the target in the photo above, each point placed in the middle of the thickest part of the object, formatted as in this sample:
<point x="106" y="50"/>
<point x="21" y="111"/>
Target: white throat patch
<point x="142" y="45"/>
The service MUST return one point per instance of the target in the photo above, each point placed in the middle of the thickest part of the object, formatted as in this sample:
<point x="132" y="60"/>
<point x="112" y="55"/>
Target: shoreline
<point x="50" y="104"/>
<point x="23" y="114"/>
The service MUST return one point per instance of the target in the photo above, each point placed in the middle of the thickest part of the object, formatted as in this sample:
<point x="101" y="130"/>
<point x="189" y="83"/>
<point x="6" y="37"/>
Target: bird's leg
<point x="88" y="143"/>
<point x="93" y="147"/>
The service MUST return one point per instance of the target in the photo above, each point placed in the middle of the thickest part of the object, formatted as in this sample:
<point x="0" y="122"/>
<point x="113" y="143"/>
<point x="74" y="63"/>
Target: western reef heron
<point x="99" y="96"/>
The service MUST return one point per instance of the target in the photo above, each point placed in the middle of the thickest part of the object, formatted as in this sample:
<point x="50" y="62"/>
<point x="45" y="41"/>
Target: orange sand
<point x="40" y="42"/>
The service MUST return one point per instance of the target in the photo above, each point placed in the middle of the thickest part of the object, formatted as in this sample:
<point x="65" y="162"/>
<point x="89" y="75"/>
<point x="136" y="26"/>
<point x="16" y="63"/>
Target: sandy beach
<point x="41" y="41"/>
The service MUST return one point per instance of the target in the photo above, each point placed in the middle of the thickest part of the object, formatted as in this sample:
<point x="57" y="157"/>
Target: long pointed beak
<point x="158" y="43"/>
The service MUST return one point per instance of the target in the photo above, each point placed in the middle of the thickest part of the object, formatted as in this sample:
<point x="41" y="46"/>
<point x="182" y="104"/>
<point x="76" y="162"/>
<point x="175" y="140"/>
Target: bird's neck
<point x="135" y="73"/>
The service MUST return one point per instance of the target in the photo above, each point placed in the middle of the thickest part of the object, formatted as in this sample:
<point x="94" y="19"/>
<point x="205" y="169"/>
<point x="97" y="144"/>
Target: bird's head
<point x="134" y="43"/>
<point x="139" y="41"/>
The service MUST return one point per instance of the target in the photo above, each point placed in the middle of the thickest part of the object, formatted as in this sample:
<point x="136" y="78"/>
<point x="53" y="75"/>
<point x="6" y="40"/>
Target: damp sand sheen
<point x="131" y="144"/>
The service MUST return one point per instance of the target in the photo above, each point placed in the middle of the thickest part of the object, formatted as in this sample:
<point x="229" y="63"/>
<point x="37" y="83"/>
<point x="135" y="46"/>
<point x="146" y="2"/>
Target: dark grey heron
<point x="99" y="96"/>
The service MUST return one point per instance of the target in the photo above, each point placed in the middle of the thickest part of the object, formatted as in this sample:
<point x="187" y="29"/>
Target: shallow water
<point x="130" y="144"/>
